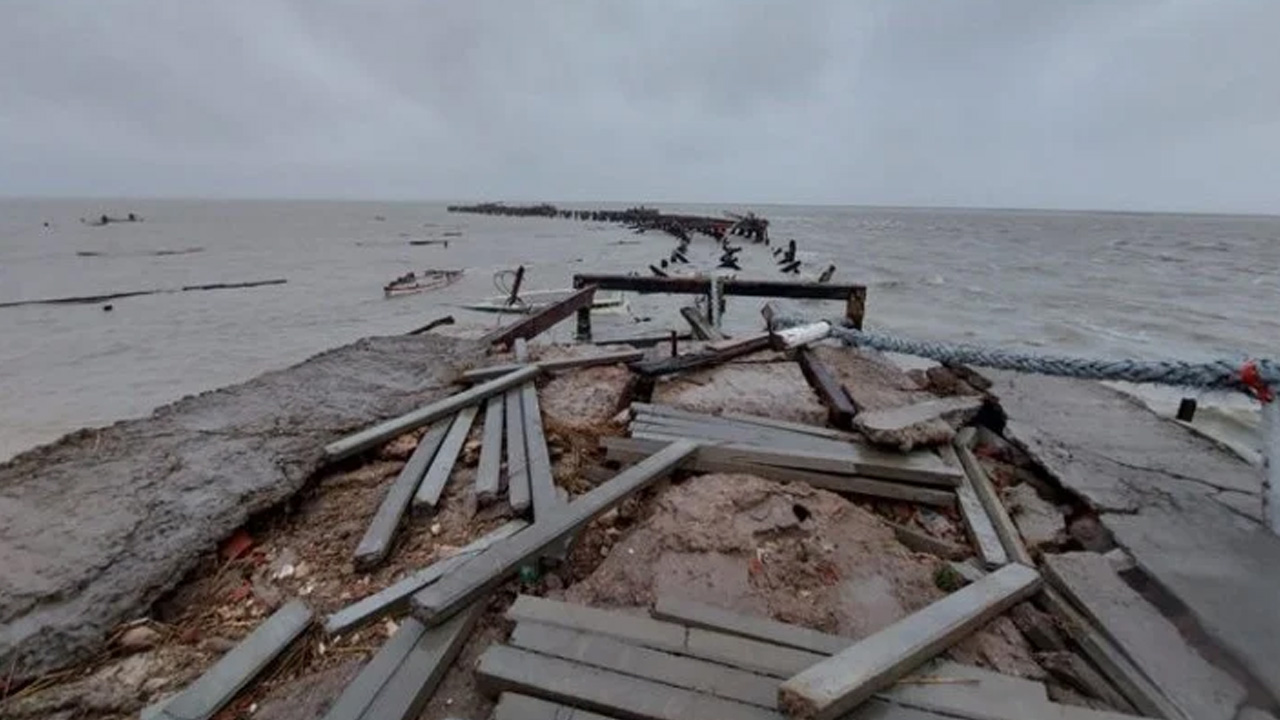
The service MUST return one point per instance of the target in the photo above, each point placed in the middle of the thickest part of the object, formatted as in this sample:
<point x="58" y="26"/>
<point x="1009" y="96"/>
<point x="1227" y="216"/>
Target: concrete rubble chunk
<point x="917" y="425"/>
<point x="1039" y="522"/>
<point x="1191" y="683"/>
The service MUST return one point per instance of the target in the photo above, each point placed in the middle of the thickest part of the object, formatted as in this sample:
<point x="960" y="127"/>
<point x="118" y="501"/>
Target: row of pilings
<point x="639" y="219"/>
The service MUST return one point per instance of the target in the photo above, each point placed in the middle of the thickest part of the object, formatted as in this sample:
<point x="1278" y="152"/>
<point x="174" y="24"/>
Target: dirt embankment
<point x="97" y="526"/>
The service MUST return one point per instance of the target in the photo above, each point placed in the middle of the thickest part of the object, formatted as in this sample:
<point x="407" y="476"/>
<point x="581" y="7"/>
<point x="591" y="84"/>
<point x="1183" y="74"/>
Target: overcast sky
<point x="1119" y="104"/>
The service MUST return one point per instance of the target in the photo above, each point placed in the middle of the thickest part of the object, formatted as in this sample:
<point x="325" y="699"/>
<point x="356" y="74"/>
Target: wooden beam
<point x="976" y="520"/>
<point x="925" y="543"/>
<point x="518" y="491"/>
<point x="921" y="467"/>
<point x="542" y="486"/>
<point x="407" y="691"/>
<point x="395" y="597"/>
<point x="376" y="543"/>
<point x="709" y="617"/>
<point x="705" y="358"/>
<point x="489" y="468"/>
<point x="702" y="329"/>
<point x="219" y="684"/>
<point x="432" y="485"/>
<point x="553" y="366"/>
<point x="986" y="492"/>
<point x="542" y="320"/>
<point x="514" y="706"/>
<point x="801" y="428"/>
<point x="610" y="654"/>
<point x="643" y="340"/>
<point x="361" y="691"/>
<point x="382" y="432"/>
<point x="448" y="595"/>
<point x="840" y="683"/>
<point x="840" y="407"/>
<point x="507" y="669"/>
<point x="751" y="655"/>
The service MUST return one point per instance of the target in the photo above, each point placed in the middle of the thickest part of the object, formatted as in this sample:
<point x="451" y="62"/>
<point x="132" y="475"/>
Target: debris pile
<point x="768" y="526"/>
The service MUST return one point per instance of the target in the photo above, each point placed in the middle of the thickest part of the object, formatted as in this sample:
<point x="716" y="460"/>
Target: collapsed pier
<point x="762" y="526"/>
<point x="640" y="219"/>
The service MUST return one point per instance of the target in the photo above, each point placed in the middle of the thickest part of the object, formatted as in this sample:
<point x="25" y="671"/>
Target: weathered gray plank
<point x="437" y="476"/>
<point x="531" y="325"/>
<point x="514" y="706"/>
<point x="1121" y="671"/>
<point x="360" y="692"/>
<point x="838" y="684"/>
<point x="641" y="408"/>
<point x="409" y="688"/>
<point x="518" y="491"/>
<point x="396" y="596"/>
<point x="1196" y="687"/>
<point x="553" y="366"/>
<point x="220" y="683"/>
<point x="542" y="485"/>
<point x="751" y="655"/>
<point x="451" y="593"/>
<point x="376" y="543"/>
<point x="923" y="542"/>
<point x="840" y="407"/>
<point x="702" y="329"/>
<point x="383" y="432"/>
<point x="508" y="669"/>
<point x="628" y="659"/>
<point x="622" y="450"/>
<point x="709" y="617"/>
<point x="714" y="428"/>
<point x="990" y="500"/>
<point x="976" y="521"/>
<point x="489" y="468"/>
<point x="923" y="468"/>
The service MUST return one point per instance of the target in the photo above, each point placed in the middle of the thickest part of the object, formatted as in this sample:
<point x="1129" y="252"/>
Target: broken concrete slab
<point x="773" y="390"/>
<point x="921" y="424"/>
<point x="1038" y="521"/>
<point x="840" y="683"/>
<point x="1196" y="687"/>
<point x="102" y="523"/>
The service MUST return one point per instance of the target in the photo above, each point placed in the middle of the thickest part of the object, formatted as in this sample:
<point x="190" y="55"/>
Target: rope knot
<point x="1253" y="382"/>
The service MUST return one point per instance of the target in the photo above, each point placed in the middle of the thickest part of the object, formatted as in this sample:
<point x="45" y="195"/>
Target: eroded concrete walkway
<point x="1180" y="505"/>
<point x="97" y="526"/>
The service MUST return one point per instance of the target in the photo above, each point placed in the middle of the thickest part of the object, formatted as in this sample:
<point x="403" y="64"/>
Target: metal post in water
<point x="1271" y="451"/>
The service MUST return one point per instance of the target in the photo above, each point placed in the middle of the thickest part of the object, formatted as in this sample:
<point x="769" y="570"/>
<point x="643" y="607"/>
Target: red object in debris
<point x="240" y="592"/>
<point x="754" y="566"/>
<point x="235" y="546"/>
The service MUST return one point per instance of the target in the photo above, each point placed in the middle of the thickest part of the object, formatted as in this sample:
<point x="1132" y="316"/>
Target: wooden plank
<point x="219" y="684"/>
<point x="729" y="431"/>
<point x="543" y="320"/>
<point x="976" y="521"/>
<point x="709" y="617"/>
<point x="923" y="542"/>
<point x="986" y="492"/>
<point x="701" y="359"/>
<point x="731" y="286"/>
<point x="442" y="466"/>
<point x="840" y="407"/>
<point x="629" y="450"/>
<point x="751" y="655"/>
<point x="641" y="409"/>
<point x="382" y="432"/>
<point x="514" y="706"/>
<point x="1178" y="671"/>
<point x="518" y="490"/>
<point x="377" y="539"/>
<point x="920" y="467"/>
<point x="360" y="692"/>
<point x="542" y="486"/>
<point x="554" y="366"/>
<point x="508" y="669"/>
<point x="448" y="595"/>
<point x="610" y="654"/>
<point x="395" y="597"/>
<point x="702" y="329"/>
<point x="1101" y="651"/>
<point x="840" y="683"/>
<point x="642" y="340"/>
<point x="407" y="691"/>
<point x="489" y="468"/>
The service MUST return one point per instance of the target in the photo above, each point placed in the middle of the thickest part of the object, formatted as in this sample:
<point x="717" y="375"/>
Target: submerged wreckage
<point x="764" y="526"/>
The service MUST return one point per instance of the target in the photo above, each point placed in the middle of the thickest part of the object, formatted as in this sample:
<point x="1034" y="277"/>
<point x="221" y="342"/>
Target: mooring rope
<point x="1257" y="377"/>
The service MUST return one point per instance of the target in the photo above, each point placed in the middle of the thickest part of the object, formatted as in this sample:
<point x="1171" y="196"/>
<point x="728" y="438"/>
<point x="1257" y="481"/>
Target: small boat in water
<point x="534" y="300"/>
<point x="412" y="282"/>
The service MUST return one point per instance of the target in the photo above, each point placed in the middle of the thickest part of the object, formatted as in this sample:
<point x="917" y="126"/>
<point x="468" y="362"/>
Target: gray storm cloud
<point x="1115" y="104"/>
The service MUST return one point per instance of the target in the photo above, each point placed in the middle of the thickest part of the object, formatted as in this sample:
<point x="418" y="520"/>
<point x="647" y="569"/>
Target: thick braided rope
<point x="1218" y="375"/>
